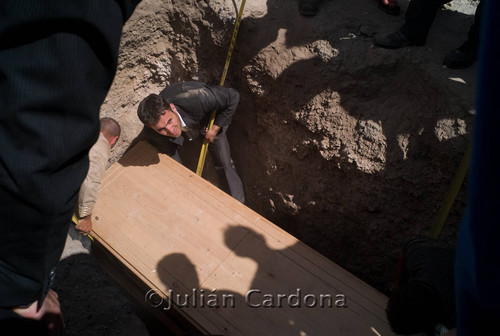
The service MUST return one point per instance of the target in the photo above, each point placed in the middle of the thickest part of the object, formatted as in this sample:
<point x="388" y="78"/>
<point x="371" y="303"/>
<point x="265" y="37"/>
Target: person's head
<point x="412" y="309"/>
<point x="157" y="113"/>
<point x="110" y="129"/>
<point x="233" y="234"/>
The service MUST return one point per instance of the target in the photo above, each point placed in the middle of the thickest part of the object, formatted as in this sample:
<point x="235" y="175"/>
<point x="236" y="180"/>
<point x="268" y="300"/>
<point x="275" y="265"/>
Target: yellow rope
<point x="440" y="218"/>
<point x="204" y="147"/>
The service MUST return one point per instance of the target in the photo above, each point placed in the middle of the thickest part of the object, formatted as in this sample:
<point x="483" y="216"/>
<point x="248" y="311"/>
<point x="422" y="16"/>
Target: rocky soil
<point x="349" y="147"/>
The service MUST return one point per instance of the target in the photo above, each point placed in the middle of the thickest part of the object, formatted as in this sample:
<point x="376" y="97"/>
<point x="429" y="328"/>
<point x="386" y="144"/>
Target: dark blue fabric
<point x="478" y="252"/>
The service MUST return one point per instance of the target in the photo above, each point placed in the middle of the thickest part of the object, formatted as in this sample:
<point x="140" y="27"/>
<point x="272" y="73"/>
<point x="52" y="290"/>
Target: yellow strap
<point x="204" y="147"/>
<point x="74" y="219"/>
<point x="440" y="218"/>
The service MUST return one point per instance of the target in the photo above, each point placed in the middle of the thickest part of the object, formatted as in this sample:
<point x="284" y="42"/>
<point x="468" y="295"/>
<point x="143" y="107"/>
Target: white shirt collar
<point x="183" y="124"/>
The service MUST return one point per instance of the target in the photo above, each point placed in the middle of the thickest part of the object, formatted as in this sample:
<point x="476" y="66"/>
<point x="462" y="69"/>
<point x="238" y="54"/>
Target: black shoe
<point x="309" y="7"/>
<point x="394" y="41"/>
<point x="460" y="58"/>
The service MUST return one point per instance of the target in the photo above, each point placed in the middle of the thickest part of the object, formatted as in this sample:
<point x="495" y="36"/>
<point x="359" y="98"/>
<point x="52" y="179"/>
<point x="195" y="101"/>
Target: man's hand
<point x="212" y="133"/>
<point x="84" y="225"/>
<point x="49" y="313"/>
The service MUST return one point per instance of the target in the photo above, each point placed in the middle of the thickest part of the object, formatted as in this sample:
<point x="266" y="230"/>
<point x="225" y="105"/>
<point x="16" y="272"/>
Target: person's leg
<point x="221" y="154"/>
<point x="418" y="20"/>
<point x="473" y="36"/>
<point x="465" y="55"/>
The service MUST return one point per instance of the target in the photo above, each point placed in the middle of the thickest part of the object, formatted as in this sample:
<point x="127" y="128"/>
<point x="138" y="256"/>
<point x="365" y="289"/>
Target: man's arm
<point x="98" y="160"/>
<point x="224" y="101"/>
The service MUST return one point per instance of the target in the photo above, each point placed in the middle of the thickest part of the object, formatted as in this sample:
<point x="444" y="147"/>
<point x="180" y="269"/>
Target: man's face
<point x="169" y="124"/>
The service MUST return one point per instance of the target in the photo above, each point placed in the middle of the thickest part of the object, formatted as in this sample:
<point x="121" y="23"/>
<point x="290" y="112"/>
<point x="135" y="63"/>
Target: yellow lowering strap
<point x="204" y="147"/>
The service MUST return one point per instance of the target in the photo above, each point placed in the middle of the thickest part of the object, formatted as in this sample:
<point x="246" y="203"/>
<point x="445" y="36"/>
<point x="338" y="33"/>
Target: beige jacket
<point x="98" y="161"/>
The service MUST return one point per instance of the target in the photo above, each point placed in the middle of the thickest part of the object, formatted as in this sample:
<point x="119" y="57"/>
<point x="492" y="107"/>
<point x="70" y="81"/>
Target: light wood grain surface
<point x="187" y="239"/>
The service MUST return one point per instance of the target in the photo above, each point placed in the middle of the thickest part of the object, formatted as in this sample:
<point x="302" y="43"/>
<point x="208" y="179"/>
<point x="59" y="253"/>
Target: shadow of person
<point x="154" y="139"/>
<point x="178" y="273"/>
<point x="139" y="160"/>
<point x="230" y="311"/>
<point x="282" y="290"/>
<point x="366" y="90"/>
<point x="185" y="294"/>
<point x="379" y="129"/>
<point x="390" y="110"/>
<point x="187" y="154"/>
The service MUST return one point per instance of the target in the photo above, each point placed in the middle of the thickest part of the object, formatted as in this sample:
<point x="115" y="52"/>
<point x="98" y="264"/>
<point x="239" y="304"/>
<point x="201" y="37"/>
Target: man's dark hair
<point x="151" y="108"/>
<point x="413" y="309"/>
<point x="110" y="127"/>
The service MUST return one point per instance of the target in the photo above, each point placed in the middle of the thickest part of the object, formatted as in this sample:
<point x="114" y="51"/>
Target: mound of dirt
<point x="349" y="147"/>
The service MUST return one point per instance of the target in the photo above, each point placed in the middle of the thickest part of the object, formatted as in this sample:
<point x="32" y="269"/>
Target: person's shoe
<point x="460" y="58"/>
<point x="395" y="40"/>
<point x="309" y="7"/>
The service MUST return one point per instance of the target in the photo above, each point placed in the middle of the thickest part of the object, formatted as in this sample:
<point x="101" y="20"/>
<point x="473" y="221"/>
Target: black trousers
<point x="224" y="165"/>
<point x="57" y="61"/>
<point x="221" y="154"/>
<point x="420" y="15"/>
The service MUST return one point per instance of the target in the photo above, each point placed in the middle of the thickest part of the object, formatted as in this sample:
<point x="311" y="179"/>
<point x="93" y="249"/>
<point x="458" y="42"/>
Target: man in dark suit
<point x="183" y="110"/>
<point x="57" y="62"/>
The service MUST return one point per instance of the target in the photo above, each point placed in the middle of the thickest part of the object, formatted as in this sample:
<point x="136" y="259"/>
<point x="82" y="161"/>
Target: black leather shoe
<point x="309" y="7"/>
<point x="394" y="41"/>
<point x="460" y="58"/>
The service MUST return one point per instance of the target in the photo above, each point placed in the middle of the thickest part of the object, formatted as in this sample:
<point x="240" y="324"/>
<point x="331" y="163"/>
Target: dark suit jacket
<point x="49" y="119"/>
<point x="195" y="102"/>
